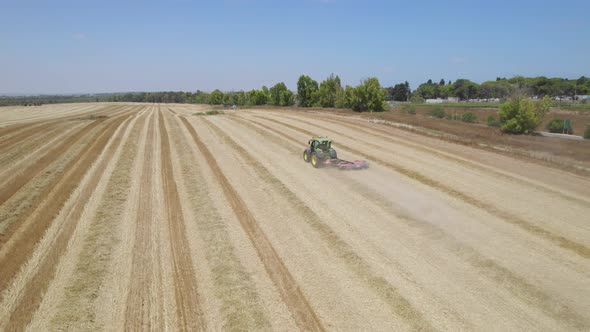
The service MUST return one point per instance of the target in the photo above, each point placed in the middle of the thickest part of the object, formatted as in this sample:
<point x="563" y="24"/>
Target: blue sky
<point x="109" y="46"/>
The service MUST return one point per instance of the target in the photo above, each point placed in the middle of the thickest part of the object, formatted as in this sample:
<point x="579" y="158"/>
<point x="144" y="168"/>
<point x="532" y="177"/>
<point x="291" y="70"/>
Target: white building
<point x="442" y="101"/>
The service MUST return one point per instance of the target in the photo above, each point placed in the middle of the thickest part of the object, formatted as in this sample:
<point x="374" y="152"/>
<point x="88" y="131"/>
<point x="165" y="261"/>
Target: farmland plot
<point x="146" y="217"/>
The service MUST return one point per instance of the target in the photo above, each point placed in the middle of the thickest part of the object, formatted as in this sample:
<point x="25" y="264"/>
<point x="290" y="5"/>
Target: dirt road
<point x="147" y="217"/>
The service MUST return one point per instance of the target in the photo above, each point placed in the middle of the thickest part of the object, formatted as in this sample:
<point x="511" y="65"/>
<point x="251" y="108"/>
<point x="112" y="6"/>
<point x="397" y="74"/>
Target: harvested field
<point x="147" y="217"/>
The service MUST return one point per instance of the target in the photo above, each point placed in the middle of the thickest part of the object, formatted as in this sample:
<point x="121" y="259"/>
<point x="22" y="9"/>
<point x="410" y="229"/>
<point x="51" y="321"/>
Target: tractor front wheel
<point x="315" y="160"/>
<point x="306" y="156"/>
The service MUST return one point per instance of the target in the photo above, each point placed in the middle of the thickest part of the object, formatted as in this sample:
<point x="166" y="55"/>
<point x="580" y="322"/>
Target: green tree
<point x="520" y="115"/>
<point x="465" y="89"/>
<point x="349" y="97"/>
<point x="281" y="96"/>
<point x="239" y="98"/>
<point x="428" y="90"/>
<point x="257" y="97"/>
<point x="368" y="96"/>
<point x="329" y="92"/>
<point x="216" y="97"/>
<point x="400" y="92"/>
<point x="287" y="98"/>
<point x="307" y="91"/>
<point x="266" y="92"/>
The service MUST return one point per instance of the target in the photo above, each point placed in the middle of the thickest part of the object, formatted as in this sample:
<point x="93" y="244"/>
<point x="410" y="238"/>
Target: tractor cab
<point x="320" y="143"/>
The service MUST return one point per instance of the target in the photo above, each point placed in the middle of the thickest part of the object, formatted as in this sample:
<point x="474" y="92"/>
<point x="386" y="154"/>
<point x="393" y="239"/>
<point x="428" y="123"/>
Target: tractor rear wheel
<point x="315" y="160"/>
<point x="306" y="156"/>
<point x="333" y="154"/>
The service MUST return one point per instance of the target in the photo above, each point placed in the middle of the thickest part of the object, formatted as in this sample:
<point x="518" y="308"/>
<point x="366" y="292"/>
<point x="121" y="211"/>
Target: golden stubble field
<point x="146" y="217"/>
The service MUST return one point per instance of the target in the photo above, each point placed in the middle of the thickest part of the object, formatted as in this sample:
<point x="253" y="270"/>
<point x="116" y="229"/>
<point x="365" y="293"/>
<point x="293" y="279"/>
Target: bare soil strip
<point x="18" y="207"/>
<point x="241" y="307"/>
<point x="399" y="305"/>
<point x="27" y="174"/>
<point x="140" y="313"/>
<point x="27" y="151"/>
<point x="12" y="129"/>
<point x="77" y="308"/>
<point x="301" y="310"/>
<point x="377" y="132"/>
<point x="25" y="134"/>
<point x="112" y="301"/>
<point x="189" y="311"/>
<point x="558" y="240"/>
<point x="28" y="186"/>
<point x="521" y="288"/>
<point x="38" y="283"/>
<point x="15" y="251"/>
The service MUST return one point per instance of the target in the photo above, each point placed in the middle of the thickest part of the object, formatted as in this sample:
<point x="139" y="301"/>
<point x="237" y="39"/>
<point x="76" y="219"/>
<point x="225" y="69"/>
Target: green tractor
<point x="320" y="153"/>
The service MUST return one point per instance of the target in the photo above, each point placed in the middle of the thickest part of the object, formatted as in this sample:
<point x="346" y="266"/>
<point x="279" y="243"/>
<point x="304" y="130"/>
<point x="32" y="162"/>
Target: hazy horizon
<point x="70" y="47"/>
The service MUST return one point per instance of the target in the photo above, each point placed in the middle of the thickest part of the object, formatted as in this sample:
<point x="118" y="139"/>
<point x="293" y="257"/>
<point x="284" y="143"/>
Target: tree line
<point x="330" y="93"/>
<point x="501" y="88"/>
<point x="50" y="99"/>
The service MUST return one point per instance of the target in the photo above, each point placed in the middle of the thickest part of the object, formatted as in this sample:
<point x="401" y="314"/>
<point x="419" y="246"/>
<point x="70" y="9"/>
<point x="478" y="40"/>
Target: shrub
<point x="493" y="122"/>
<point x="213" y="112"/>
<point x="469" y="117"/>
<point x="438" y="112"/>
<point x="557" y="126"/>
<point x="587" y="132"/>
<point x="416" y="99"/>
<point x="520" y="115"/>
<point x="409" y="109"/>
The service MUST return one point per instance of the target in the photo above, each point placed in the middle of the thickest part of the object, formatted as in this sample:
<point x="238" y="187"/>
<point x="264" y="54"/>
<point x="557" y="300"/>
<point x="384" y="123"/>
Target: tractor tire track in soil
<point x="6" y="131"/>
<point x="27" y="174"/>
<point x="142" y="311"/>
<point x="241" y="307"/>
<point x="77" y="308"/>
<point x="30" y="299"/>
<point x="26" y="152"/>
<point x="24" y="176"/>
<point x="17" y="209"/>
<point x="189" y="312"/>
<point x="508" y="217"/>
<point x="291" y="294"/>
<point x="487" y="267"/>
<point x="25" y="134"/>
<point x="14" y="252"/>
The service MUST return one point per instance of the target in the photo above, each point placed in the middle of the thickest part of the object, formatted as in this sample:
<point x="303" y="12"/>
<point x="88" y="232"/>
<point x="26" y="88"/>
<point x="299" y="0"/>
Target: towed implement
<point x="320" y="154"/>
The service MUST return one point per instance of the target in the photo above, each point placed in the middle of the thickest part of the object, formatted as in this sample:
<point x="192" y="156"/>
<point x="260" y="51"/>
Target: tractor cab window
<point x="324" y="146"/>
<point x="314" y="145"/>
